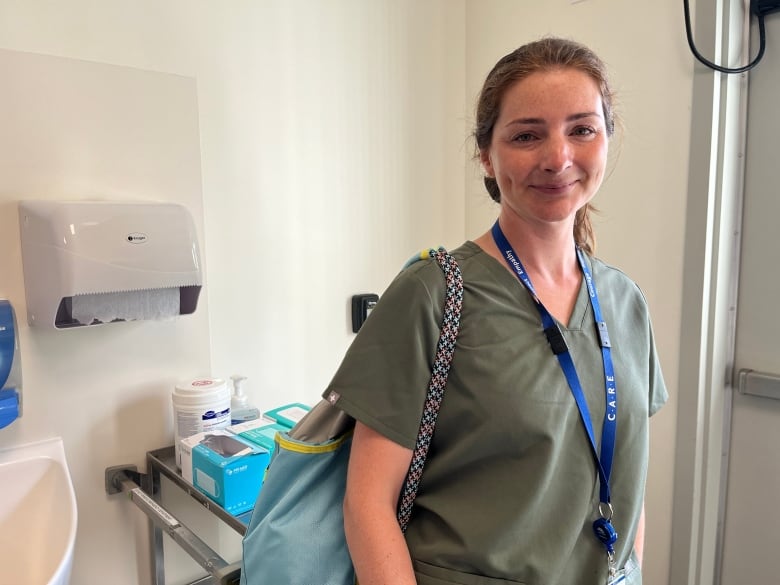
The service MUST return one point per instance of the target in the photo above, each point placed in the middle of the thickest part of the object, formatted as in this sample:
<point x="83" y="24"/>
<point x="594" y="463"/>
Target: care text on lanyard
<point x="602" y="526"/>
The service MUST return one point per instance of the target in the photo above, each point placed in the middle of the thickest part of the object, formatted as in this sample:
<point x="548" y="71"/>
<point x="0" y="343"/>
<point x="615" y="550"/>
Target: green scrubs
<point x="510" y="488"/>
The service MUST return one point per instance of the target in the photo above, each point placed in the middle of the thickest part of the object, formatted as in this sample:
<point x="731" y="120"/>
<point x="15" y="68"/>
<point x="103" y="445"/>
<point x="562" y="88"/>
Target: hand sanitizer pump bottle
<point x="240" y="409"/>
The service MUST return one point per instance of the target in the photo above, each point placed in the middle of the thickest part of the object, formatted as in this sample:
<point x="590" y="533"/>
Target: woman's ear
<point x="487" y="163"/>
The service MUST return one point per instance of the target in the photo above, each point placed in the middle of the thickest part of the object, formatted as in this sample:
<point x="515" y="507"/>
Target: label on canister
<point x="199" y="405"/>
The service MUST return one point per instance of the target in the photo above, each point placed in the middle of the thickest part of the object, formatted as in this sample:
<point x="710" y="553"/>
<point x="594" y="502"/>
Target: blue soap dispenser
<point x="241" y="410"/>
<point x="10" y="366"/>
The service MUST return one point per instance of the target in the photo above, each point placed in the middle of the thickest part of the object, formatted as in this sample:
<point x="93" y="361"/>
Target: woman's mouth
<point x="554" y="188"/>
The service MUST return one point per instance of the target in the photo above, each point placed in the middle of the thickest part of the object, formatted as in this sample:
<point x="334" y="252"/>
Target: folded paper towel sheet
<point x="154" y="304"/>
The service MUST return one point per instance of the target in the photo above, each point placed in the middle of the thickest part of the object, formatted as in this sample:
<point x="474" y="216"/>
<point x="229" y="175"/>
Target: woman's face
<point x="548" y="152"/>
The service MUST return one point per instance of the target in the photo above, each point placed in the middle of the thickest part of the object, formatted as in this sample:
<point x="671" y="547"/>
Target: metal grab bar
<point x="754" y="383"/>
<point x="126" y="479"/>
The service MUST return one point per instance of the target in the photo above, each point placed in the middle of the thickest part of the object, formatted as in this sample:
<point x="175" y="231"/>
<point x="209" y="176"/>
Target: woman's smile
<point x="554" y="188"/>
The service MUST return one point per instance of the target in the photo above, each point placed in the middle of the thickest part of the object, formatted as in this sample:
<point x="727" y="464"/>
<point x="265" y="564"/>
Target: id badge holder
<point x="616" y="577"/>
<point x="606" y="533"/>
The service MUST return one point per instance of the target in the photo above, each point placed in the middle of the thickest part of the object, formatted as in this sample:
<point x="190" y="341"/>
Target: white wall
<point x="333" y="137"/>
<point x="79" y="130"/>
<point x="331" y="149"/>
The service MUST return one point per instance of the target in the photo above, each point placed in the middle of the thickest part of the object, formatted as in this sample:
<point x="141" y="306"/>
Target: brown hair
<point x="542" y="55"/>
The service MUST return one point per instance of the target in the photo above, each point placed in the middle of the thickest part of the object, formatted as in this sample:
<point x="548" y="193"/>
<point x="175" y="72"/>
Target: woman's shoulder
<point x="610" y="272"/>
<point x="423" y="266"/>
<point x="614" y="281"/>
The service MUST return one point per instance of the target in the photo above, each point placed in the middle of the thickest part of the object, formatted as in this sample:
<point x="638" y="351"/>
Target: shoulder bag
<point x="296" y="532"/>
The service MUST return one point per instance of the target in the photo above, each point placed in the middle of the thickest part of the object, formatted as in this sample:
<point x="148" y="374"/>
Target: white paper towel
<point x="155" y="304"/>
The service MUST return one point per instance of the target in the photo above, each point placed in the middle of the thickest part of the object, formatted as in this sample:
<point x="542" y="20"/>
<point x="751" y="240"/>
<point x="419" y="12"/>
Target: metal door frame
<point x="711" y="272"/>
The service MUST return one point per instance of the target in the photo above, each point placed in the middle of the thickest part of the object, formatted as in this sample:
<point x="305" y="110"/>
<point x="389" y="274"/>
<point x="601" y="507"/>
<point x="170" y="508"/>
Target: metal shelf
<point x="164" y="461"/>
<point x="144" y="491"/>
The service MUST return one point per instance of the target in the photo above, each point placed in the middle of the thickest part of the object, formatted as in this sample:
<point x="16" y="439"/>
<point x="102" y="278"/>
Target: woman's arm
<point x="377" y="469"/>
<point x="639" y="541"/>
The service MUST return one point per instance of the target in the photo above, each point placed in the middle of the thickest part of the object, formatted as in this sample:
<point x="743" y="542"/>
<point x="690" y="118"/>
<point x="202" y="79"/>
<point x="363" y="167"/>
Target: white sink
<point x="37" y="514"/>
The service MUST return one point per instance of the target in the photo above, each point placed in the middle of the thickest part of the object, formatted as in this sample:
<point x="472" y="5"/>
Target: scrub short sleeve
<point x="384" y="376"/>
<point x="657" y="387"/>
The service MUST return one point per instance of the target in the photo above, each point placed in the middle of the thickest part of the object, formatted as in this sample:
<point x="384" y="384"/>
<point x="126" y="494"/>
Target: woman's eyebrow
<point x="538" y="121"/>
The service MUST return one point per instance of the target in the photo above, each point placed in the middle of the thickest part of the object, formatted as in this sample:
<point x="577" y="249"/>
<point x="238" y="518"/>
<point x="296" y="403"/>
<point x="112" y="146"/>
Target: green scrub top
<point x="510" y="488"/>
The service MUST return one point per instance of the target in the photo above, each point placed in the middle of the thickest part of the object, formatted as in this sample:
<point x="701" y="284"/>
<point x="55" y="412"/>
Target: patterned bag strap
<point x="441" y="367"/>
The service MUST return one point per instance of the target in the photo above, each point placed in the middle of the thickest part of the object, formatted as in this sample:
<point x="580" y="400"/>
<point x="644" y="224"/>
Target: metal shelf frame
<point x="145" y="492"/>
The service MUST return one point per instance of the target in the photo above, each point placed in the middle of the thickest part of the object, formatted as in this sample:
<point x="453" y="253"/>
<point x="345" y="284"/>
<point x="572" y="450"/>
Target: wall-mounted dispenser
<point x="93" y="262"/>
<point x="10" y="366"/>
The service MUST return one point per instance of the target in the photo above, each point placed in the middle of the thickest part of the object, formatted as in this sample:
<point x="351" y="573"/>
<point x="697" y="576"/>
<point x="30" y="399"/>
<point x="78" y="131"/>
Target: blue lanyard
<point x="603" y="458"/>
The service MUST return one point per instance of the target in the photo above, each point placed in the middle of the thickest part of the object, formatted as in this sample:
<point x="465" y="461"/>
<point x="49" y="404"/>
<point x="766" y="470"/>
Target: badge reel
<point x="608" y="536"/>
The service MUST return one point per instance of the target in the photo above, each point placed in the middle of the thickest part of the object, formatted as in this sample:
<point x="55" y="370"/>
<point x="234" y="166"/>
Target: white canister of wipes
<point x="198" y="406"/>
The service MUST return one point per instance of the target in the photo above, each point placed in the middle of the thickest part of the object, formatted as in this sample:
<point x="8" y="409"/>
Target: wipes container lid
<point x="193" y="392"/>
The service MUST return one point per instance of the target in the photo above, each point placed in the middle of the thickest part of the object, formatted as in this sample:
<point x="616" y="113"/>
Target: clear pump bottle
<point x="241" y="410"/>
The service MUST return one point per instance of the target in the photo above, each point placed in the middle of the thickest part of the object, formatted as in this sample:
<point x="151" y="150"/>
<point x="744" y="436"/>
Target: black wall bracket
<point x="361" y="306"/>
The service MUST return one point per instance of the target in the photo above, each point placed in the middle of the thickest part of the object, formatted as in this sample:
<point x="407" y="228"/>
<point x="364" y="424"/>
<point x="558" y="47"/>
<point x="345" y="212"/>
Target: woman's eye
<point x="584" y="131"/>
<point x="523" y="137"/>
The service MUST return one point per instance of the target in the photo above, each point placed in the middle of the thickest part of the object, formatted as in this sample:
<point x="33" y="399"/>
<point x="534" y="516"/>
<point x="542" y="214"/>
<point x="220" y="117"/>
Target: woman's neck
<point x="545" y="250"/>
<point x="550" y="260"/>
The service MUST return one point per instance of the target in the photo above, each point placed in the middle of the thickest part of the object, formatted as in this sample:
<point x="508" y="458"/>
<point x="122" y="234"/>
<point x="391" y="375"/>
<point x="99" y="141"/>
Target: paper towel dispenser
<point x="92" y="262"/>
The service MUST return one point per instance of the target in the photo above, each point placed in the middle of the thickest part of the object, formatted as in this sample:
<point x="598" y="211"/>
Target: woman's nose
<point x="556" y="154"/>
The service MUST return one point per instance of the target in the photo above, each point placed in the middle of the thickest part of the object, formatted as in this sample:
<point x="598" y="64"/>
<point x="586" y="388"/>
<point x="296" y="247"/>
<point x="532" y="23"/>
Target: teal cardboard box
<point x="288" y="415"/>
<point x="229" y="470"/>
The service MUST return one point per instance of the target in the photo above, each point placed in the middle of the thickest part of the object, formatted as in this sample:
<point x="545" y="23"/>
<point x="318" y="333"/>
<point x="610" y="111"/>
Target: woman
<point x="518" y="488"/>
